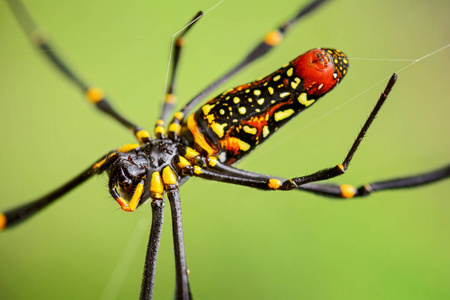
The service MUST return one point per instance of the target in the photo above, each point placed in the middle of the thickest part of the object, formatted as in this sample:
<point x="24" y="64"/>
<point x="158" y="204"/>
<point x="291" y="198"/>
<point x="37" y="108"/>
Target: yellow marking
<point x="160" y="123"/>
<point x="265" y="131"/>
<point x="218" y="128"/>
<point x="303" y="99"/>
<point x="345" y="61"/>
<point x="242" y="110"/>
<point x="210" y="118"/>
<point x="160" y="130"/>
<point x="221" y="111"/>
<point x="260" y="101"/>
<point x="274" y="184"/>
<point x="3" y="221"/>
<point x="179" y="116"/>
<point x="99" y="164"/>
<point x="347" y="190"/>
<point x="199" y="138"/>
<point x="183" y="162"/>
<point x="368" y="188"/>
<point x="276" y="78"/>
<point x="335" y="61"/>
<point x="250" y="100"/>
<point x="242" y="145"/>
<point x="273" y="38"/>
<point x="257" y="92"/>
<point x="136" y="197"/>
<point x="169" y="176"/>
<point x="180" y="41"/>
<point x="170" y="98"/>
<point x="285" y="94"/>
<point x="95" y="94"/>
<point x="174" y="127"/>
<point x="250" y="130"/>
<point x="329" y="51"/>
<point x="247" y="90"/>
<point x="320" y="86"/>
<point x="236" y="100"/>
<point x="281" y="115"/>
<point x="343" y="72"/>
<point x="212" y="161"/>
<point x="341" y="167"/>
<point x="142" y="134"/>
<point x="156" y="183"/>
<point x="191" y="153"/>
<point x="198" y="170"/>
<point x="207" y="108"/>
<point x="270" y="89"/>
<point x="127" y="148"/>
<point x="290" y="72"/>
<point x="295" y="83"/>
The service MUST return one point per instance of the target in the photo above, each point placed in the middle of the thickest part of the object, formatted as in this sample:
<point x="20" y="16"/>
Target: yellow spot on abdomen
<point x="242" y="110"/>
<point x="250" y="130"/>
<point x="303" y="99"/>
<point x="290" y="72"/>
<point x="218" y="129"/>
<point x="265" y="131"/>
<point x="281" y="115"/>
<point x="207" y="108"/>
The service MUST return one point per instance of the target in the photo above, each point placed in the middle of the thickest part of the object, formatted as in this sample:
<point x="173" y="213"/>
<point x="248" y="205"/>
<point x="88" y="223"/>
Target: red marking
<point x="316" y="67"/>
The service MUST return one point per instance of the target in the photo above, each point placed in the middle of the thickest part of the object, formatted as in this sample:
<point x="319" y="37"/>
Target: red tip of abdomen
<point x="321" y="70"/>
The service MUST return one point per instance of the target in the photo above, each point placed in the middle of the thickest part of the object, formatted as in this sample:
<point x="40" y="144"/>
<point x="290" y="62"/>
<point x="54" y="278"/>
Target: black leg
<point x="23" y="212"/>
<point x="182" y="290"/>
<point x="148" y="280"/>
<point x="171" y="98"/>
<point x="93" y="94"/>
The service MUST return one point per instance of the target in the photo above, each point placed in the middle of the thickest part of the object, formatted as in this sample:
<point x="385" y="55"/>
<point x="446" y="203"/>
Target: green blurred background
<point x="240" y="243"/>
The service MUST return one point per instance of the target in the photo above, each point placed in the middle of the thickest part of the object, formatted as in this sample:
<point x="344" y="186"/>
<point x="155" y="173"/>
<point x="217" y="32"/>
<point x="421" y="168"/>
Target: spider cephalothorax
<point x="133" y="167"/>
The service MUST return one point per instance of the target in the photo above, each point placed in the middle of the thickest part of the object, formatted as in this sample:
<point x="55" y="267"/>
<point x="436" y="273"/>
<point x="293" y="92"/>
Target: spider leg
<point x="93" y="94"/>
<point x="182" y="290"/>
<point x="23" y="212"/>
<point x="170" y="98"/>
<point x="225" y="173"/>
<point x="272" y="39"/>
<point x="148" y="280"/>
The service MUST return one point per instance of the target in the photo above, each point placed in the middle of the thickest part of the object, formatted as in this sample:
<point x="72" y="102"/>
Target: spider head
<point x="127" y="177"/>
<point x="321" y="70"/>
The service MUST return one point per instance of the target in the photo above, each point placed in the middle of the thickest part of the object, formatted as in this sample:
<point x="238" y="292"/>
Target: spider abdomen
<point x="240" y="119"/>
